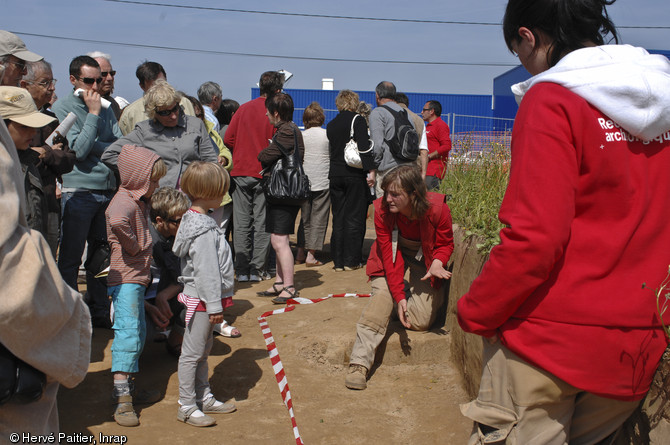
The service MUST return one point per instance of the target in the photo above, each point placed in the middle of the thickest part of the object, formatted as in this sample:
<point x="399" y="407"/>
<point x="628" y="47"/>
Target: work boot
<point x="356" y="377"/>
<point x="124" y="414"/>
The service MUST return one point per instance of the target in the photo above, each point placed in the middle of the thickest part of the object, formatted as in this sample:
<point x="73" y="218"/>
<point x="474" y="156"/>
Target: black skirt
<point x="280" y="219"/>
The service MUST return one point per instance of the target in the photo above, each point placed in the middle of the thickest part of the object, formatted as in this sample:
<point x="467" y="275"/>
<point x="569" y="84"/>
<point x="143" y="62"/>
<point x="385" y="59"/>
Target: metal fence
<point x="479" y="133"/>
<point x="474" y="133"/>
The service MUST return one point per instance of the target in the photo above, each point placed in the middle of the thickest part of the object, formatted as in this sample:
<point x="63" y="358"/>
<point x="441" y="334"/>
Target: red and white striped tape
<point x="277" y="365"/>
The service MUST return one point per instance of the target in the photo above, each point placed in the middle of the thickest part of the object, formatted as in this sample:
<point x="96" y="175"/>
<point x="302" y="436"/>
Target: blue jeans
<point x="130" y="328"/>
<point x="83" y="219"/>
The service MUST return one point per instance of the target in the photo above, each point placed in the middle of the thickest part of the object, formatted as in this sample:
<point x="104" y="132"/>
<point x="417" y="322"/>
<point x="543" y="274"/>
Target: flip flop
<point x="317" y="263"/>
<point x="272" y="293"/>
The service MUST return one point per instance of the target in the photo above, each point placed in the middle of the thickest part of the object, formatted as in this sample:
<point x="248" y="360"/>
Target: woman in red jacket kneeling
<point x="406" y="264"/>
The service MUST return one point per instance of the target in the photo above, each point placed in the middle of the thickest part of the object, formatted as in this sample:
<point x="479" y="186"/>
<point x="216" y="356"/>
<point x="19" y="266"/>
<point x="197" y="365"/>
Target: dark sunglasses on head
<point x="90" y="80"/>
<point x="168" y="112"/>
<point x="111" y="73"/>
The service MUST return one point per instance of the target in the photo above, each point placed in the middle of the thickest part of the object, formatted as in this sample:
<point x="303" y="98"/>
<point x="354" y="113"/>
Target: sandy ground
<point x="412" y="396"/>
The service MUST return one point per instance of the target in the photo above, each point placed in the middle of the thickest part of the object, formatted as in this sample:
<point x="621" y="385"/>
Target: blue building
<point x="471" y="117"/>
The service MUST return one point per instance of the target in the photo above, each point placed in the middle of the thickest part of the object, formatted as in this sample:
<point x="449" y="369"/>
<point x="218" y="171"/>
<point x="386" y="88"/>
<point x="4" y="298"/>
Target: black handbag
<point x="287" y="183"/>
<point x="19" y="382"/>
<point x="98" y="259"/>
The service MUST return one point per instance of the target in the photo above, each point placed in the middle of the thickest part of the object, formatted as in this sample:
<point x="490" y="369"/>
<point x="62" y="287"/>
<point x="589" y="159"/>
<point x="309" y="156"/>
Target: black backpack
<point x="405" y="144"/>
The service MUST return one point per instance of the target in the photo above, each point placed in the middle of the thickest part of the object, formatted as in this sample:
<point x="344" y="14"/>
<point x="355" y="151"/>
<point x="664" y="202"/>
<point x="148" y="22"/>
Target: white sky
<point x="286" y="36"/>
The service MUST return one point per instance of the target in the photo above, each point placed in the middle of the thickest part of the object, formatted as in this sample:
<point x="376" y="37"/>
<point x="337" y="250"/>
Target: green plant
<point x="475" y="183"/>
<point x="662" y="301"/>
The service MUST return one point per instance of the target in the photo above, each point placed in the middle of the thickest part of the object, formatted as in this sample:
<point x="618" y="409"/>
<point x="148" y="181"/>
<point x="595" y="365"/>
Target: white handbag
<point x="352" y="156"/>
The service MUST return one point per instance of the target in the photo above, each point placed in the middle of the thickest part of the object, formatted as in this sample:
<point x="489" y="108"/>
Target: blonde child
<point x="207" y="276"/>
<point x="130" y="242"/>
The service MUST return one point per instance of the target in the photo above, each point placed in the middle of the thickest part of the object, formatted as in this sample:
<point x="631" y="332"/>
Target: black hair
<point x="569" y="24"/>
<point x="79" y="61"/>
<point x="385" y="90"/>
<point x="225" y="112"/>
<point x="402" y="98"/>
<point x="281" y="103"/>
<point x="149" y="71"/>
<point x="436" y="107"/>
<point x="197" y="105"/>
<point x="271" y="82"/>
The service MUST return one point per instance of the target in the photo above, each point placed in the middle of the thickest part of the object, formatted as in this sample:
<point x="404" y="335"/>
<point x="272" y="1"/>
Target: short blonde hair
<point x="161" y="94"/>
<point x="205" y="180"/>
<point x="347" y="100"/>
<point x="168" y="202"/>
<point x="159" y="170"/>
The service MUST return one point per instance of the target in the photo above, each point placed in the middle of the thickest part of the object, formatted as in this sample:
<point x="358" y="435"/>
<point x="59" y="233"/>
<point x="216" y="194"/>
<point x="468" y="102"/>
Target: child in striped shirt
<point x="130" y="243"/>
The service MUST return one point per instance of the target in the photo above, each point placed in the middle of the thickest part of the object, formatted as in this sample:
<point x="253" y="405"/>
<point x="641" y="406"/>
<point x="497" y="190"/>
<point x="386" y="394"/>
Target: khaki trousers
<point x="422" y="304"/>
<point x="519" y="403"/>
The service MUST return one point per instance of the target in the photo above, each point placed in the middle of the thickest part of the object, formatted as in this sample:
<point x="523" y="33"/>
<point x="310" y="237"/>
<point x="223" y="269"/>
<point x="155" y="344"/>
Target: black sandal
<point x="272" y="293"/>
<point x="282" y="300"/>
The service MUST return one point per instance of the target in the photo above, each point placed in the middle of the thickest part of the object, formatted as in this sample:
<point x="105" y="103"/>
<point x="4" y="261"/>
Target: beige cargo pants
<point x="519" y="403"/>
<point x="422" y="304"/>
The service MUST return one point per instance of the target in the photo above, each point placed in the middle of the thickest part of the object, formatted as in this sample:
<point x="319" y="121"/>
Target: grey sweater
<point x="382" y="129"/>
<point x="206" y="260"/>
<point x="178" y="146"/>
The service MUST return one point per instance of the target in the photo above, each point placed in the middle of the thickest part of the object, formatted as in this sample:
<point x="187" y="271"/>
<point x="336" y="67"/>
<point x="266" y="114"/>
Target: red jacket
<point x="437" y="242"/>
<point x="586" y="214"/>
<point x="249" y="132"/>
<point x="437" y="135"/>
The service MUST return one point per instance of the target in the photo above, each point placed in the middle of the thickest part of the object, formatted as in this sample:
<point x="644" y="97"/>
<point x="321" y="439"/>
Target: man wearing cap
<point x="90" y="186"/>
<point x="13" y="57"/>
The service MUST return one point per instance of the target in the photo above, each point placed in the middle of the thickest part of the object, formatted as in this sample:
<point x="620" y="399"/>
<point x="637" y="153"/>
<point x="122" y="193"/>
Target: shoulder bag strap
<point x="351" y="133"/>
<point x="296" y="153"/>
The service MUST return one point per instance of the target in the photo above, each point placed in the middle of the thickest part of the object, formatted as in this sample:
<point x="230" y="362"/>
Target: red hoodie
<point x="586" y="214"/>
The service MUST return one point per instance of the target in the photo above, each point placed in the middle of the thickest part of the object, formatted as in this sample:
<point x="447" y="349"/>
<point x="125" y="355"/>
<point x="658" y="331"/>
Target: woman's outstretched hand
<point x="436" y="270"/>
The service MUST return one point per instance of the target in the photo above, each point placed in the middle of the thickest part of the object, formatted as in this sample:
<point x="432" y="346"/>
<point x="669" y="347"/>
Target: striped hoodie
<point x="128" y="219"/>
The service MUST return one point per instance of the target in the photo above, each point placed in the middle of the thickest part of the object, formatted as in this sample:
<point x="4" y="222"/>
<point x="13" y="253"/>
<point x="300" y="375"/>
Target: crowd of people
<point x="172" y="187"/>
<point x="165" y="182"/>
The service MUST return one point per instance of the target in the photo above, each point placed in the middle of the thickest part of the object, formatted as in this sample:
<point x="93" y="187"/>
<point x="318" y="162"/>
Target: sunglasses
<point x="21" y="65"/>
<point x="105" y="73"/>
<point x="168" y="112"/>
<point x="175" y="221"/>
<point x="90" y="80"/>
